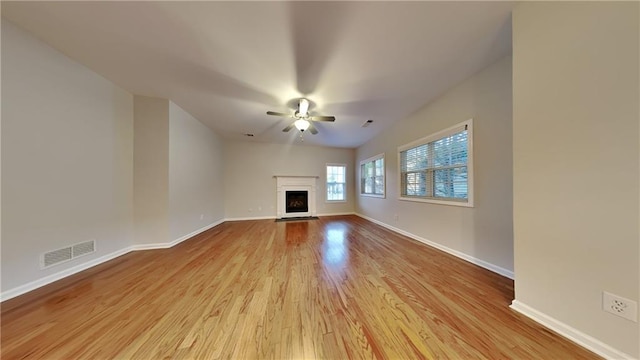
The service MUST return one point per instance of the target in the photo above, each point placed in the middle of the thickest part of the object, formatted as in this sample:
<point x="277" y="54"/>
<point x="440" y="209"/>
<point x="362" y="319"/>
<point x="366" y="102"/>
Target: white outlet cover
<point x="620" y="306"/>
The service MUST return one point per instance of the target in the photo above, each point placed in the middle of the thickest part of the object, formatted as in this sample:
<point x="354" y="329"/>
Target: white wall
<point x="485" y="231"/>
<point x="151" y="170"/>
<point x="576" y="164"/>
<point x="178" y="183"/>
<point x="83" y="159"/>
<point x="196" y="183"/>
<point x="67" y="159"/>
<point x="249" y="167"/>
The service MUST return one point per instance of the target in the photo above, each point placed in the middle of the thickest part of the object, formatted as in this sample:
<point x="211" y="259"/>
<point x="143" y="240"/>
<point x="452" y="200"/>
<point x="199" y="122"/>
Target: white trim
<point x="273" y="217"/>
<point x="194" y="233"/>
<point x="374" y="196"/>
<point x="176" y="241"/>
<point x="250" y="218"/>
<point x="297" y="176"/>
<point x="434" y="137"/>
<point x="295" y="183"/>
<point x="569" y="332"/>
<point x="487" y="265"/>
<point x="434" y="201"/>
<point x="152" y="246"/>
<point x="384" y="175"/>
<point x="22" y="289"/>
<point x="326" y="183"/>
<point x="337" y="214"/>
<point x="11" y="293"/>
<point x="373" y="158"/>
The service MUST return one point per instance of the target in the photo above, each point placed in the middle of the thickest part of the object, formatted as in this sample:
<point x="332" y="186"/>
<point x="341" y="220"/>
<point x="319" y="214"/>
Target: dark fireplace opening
<point x="297" y="201"/>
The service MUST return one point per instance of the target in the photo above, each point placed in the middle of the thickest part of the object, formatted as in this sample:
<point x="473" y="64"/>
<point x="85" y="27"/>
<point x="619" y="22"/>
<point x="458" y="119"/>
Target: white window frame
<point x="434" y="137"/>
<point x="384" y="176"/>
<point x="326" y="192"/>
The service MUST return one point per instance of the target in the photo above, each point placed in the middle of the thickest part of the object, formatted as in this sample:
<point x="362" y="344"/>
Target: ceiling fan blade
<point x="278" y="114"/>
<point x="288" y="128"/>
<point x="323" y="118"/>
<point x="312" y="129"/>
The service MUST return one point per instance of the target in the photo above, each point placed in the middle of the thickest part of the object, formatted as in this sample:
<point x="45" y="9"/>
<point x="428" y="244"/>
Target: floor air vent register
<point x="63" y="255"/>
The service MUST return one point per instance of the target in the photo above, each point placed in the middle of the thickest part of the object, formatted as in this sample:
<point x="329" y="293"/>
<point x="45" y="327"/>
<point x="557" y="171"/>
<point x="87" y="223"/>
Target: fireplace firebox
<point x="297" y="201"/>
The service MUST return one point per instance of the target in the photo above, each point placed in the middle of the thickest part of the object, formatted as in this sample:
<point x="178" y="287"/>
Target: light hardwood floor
<point x="334" y="288"/>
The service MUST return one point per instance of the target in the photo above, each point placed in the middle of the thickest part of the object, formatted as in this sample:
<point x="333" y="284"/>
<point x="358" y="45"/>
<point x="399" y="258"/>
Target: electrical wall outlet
<point x="620" y="306"/>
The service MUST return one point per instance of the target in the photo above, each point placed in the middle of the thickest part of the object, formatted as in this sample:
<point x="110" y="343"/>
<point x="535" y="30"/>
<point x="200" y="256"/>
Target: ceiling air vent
<point x="59" y="256"/>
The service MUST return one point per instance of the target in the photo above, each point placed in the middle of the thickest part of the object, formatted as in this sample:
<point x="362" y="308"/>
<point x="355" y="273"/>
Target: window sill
<point x="374" y="196"/>
<point x="468" y="204"/>
<point x="335" y="201"/>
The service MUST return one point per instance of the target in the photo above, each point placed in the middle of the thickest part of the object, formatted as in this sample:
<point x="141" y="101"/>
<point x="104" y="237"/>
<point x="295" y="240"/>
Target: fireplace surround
<point x="297" y="187"/>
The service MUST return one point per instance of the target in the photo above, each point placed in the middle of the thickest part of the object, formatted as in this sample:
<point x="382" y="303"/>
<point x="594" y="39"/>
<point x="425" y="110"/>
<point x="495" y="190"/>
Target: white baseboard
<point x="569" y="332"/>
<point x="271" y="217"/>
<point x="461" y="255"/>
<point x="176" y="241"/>
<point x="201" y="230"/>
<point x="17" y="291"/>
<point x="338" y="214"/>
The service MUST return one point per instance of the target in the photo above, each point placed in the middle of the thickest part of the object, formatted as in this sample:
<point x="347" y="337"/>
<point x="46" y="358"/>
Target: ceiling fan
<point x="303" y="121"/>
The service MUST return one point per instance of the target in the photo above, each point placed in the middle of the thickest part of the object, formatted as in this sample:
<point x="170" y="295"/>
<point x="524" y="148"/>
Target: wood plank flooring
<point x="334" y="288"/>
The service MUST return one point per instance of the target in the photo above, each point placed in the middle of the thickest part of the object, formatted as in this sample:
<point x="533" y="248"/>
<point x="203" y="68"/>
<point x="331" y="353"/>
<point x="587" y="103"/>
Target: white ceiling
<point x="227" y="63"/>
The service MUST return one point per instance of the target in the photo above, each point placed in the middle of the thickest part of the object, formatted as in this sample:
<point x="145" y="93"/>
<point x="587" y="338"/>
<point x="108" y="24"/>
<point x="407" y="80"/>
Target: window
<point x="336" y="182"/>
<point x="439" y="167"/>
<point x="372" y="176"/>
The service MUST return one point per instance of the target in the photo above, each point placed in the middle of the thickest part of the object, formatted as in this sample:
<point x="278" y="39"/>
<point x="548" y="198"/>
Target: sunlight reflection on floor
<point x="335" y="253"/>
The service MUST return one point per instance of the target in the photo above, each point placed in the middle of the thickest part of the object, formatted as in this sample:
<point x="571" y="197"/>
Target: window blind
<point x="436" y="167"/>
<point x="372" y="176"/>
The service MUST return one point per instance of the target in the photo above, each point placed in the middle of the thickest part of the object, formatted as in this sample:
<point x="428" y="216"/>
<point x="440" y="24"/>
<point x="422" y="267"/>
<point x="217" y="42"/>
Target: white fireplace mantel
<point x="295" y="183"/>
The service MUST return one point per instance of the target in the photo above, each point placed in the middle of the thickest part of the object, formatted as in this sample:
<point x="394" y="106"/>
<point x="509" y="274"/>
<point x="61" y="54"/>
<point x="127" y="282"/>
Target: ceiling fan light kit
<point x="301" y="124"/>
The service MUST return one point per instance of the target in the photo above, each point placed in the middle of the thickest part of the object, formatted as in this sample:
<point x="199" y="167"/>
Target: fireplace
<point x="296" y="201"/>
<point x="296" y="196"/>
